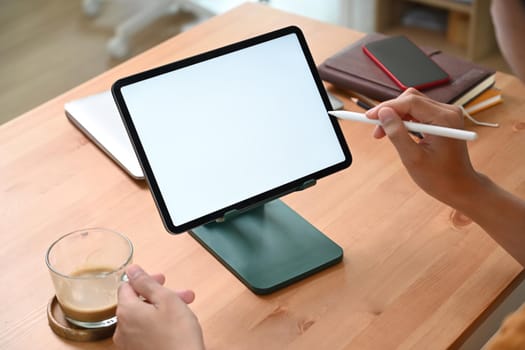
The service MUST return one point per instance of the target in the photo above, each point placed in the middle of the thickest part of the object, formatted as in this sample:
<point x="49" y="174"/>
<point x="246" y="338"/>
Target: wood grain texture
<point x="415" y="273"/>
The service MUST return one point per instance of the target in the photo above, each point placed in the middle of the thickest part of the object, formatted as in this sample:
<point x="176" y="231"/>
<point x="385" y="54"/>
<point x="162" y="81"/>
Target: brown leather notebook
<point x="352" y="69"/>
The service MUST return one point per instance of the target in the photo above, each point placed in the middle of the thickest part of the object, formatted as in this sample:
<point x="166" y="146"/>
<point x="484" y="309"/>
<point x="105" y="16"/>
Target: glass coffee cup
<point x="87" y="266"/>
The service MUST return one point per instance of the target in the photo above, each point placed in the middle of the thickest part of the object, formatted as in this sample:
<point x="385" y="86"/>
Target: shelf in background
<point x="469" y="25"/>
<point x="448" y="5"/>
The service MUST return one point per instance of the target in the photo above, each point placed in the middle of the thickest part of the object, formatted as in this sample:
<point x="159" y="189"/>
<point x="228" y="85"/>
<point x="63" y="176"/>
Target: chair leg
<point x="118" y="45"/>
<point x="197" y="9"/>
<point x="91" y="7"/>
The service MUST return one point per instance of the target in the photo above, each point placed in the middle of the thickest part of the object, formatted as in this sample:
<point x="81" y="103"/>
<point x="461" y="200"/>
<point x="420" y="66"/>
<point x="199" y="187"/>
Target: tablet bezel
<point x="253" y="201"/>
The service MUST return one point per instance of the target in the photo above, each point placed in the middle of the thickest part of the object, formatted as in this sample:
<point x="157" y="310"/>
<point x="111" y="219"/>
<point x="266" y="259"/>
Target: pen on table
<point x="411" y="126"/>
<point x="361" y="103"/>
<point x="366" y="106"/>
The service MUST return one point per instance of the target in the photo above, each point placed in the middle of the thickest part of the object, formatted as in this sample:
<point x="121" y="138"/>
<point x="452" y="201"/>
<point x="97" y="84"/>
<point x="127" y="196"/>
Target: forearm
<point x="442" y="168"/>
<point x="498" y="212"/>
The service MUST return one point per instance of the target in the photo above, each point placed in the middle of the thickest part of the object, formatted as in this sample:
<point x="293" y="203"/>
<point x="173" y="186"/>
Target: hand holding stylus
<point x="411" y="126"/>
<point x="439" y="165"/>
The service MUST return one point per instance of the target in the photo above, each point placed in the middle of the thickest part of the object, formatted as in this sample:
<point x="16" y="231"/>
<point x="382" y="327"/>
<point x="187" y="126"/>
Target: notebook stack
<point x="485" y="100"/>
<point x="472" y="86"/>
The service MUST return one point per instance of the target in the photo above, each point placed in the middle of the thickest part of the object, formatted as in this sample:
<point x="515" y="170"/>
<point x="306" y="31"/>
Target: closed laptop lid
<point x="97" y="117"/>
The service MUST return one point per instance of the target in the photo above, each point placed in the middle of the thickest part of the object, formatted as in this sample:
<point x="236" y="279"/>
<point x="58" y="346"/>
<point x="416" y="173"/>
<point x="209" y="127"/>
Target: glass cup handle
<point x="124" y="277"/>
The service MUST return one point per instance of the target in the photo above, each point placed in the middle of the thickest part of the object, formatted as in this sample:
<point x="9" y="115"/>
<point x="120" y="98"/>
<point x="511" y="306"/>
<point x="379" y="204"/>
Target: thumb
<point x="126" y="294"/>
<point x="143" y="284"/>
<point x="397" y="133"/>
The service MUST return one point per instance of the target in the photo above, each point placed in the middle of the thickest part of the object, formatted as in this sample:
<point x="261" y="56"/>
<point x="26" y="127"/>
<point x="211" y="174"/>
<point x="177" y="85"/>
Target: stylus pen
<point x="366" y="106"/>
<point x="411" y="126"/>
<point x="361" y="103"/>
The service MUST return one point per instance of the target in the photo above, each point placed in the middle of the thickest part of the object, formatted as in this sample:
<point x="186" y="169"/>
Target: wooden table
<point x="416" y="274"/>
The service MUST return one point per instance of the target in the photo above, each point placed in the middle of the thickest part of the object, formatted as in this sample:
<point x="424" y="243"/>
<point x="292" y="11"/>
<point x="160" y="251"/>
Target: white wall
<point x="356" y="14"/>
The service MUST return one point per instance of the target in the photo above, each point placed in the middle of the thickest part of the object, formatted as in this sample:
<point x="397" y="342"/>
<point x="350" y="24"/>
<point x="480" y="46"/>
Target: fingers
<point x="396" y="131"/>
<point x="160" y="278"/>
<point x="412" y="104"/>
<point x="412" y="91"/>
<point x="144" y="284"/>
<point x="149" y="287"/>
<point x="126" y="294"/>
<point x="187" y="296"/>
<point x="409" y="106"/>
<point x="379" y="132"/>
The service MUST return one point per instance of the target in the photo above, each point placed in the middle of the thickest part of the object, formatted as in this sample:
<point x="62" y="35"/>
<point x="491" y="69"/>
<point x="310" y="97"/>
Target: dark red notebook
<point x="352" y="69"/>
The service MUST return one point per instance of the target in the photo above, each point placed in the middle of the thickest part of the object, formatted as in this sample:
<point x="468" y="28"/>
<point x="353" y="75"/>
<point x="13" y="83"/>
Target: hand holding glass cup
<point x="87" y="266"/>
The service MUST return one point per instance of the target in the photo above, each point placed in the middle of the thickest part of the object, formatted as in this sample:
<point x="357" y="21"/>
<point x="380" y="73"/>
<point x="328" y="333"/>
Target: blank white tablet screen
<point x="223" y="130"/>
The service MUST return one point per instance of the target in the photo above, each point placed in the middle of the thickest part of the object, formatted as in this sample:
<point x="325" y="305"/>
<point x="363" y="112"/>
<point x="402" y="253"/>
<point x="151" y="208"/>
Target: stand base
<point x="269" y="247"/>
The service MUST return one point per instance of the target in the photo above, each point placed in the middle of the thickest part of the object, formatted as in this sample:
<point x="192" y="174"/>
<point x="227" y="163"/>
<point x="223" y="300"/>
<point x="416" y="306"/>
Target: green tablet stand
<point x="268" y="247"/>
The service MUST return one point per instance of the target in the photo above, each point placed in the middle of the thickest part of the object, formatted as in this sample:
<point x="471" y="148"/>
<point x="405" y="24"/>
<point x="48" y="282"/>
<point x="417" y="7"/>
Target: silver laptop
<point x="97" y="117"/>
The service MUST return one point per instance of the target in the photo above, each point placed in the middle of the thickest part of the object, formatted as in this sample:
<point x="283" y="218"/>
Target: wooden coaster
<point x="64" y="329"/>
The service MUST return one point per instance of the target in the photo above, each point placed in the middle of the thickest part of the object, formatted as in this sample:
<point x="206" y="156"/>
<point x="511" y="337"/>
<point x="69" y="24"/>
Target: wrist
<point x="500" y="213"/>
<point x="471" y="193"/>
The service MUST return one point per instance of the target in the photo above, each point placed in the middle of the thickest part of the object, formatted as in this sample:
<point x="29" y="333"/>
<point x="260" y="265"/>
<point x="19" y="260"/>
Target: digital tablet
<point x="229" y="129"/>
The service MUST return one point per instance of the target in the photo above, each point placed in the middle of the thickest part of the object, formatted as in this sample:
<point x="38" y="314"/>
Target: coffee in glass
<point x="87" y="267"/>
